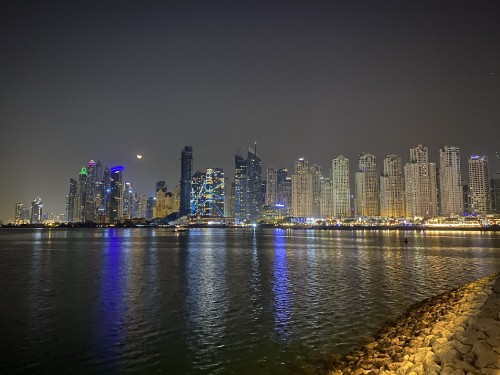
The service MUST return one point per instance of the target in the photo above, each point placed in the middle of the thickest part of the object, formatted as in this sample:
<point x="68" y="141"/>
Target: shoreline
<point x="454" y="333"/>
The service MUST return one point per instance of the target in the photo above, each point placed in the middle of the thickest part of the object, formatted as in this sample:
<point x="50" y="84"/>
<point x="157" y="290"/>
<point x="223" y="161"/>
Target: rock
<point x="462" y="365"/>
<point x="494" y="342"/>
<point x="461" y="348"/>
<point x="418" y="368"/>
<point x="474" y="335"/>
<point x="489" y="371"/>
<point x="448" y="356"/>
<point x="449" y="370"/>
<point x="485" y="356"/>
<point x="404" y="368"/>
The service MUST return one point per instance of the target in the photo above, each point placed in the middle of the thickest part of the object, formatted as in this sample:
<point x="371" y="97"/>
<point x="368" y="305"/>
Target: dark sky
<point x="108" y="80"/>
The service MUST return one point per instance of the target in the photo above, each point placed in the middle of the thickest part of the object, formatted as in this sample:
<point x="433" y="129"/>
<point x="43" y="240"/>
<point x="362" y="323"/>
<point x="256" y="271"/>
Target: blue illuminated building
<point x="116" y="194"/>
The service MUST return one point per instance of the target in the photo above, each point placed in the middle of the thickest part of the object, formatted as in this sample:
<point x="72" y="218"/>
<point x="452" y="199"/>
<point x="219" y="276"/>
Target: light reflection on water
<point x="215" y="300"/>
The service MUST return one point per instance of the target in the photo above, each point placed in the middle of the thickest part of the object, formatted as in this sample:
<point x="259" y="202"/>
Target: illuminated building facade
<point x="185" y="182"/>
<point x="248" y="200"/>
<point x="271" y="187"/>
<point x="392" y="193"/>
<point x="72" y="200"/>
<point x="81" y="196"/>
<point x="326" y="202"/>
<point x="36" y="211"/>
<point x="22" y="214"/>
<point x="366" y="186"/>
<point x="208" y="193"/>
<point x="341" y="187"/>
<point x="90" y="193"/>
<point x="479" y="185"/>
<point x="420" y="185"/>
<point x="116" y="195"/>
<point x="495" y="194"/>
<point x="302" y="190"/>
<point x="450" y="182"/>
<point x="315" y="171"/>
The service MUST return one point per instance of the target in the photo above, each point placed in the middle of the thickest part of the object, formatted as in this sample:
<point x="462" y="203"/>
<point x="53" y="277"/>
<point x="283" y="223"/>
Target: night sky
<point x="109" y="80"/>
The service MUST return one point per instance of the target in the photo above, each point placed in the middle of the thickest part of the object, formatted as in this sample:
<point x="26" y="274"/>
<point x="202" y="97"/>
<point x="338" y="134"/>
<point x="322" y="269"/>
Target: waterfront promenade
<point x="454" y="333"/>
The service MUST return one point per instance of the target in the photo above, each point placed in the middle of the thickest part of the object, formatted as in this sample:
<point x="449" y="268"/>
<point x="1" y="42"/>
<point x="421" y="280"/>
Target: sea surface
<point x="215" y="301"/>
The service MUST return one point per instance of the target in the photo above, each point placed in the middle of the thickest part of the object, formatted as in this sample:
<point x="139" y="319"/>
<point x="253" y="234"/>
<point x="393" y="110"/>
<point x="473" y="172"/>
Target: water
<point x="215" y="301"/>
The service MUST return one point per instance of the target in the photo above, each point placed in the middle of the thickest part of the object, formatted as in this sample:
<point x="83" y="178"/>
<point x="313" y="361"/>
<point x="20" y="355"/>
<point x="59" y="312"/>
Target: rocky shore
<point x="454" y="333"/>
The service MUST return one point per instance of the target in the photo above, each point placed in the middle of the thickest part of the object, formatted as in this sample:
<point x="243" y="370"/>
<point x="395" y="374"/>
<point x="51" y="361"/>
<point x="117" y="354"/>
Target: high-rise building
<point x="248" y="200"/>
<point x="90" y="193"/>
<point x="326" y="203"/>
<point x="392" y="194"/>
<point x="240" y="188"/>
<point x="281" y="176"/>
<point x="18" y="218"/>
<point x="302" y="190"/>
<point x="340" y="187"/>
<point x="495" y="194"/>
<point x="317" y="176"/>
<point x="420" y="185"/>
<point x="104" y="197"/>
<point x="208" y="193"/>
<point x="185" y="183"/>
<point x="36" y="211"/>
<point x="450" y="182"/>
<point x="466" y="197"/>
<point x="128" y="201"/>
<point x="81" y="196"/>
<point x="72" y="201"/>
<point x="479" y="185"/>
<point x="228" y="198"/>
<point x="366" y="185"/>
<point x="150" y="208"/>
<point x="271" y="186"/>
<point x="142" y="206"/>
<point x="177" y="198"/>
<point x="198" y="197"/>
<point x="160" y="209"/>
<point x="254" y="177"/>
<point x="116" y="194"/>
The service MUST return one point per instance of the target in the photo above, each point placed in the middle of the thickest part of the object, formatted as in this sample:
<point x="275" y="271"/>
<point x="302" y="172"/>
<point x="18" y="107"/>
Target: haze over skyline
<point x="112" y="80"/>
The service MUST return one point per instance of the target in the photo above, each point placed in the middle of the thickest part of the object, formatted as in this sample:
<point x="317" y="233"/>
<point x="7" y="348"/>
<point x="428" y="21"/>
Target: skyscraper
<point x="495" y="194"/>
<point x="317" y="177"/>
<point x="420" y="185"/>
<point x="185" y="182"/>
<point x="326" y="202"/>
<point x="479" y="185"/>
<point x="302" y="190"/>
<point x="450" y="181"/>
<point x="142" y="206"/>
<point x="104" y="192"/>
<point x="248" y="200"/>
<point x="72" y="201"/>
<point x="116" y="194"/>
<point x="367" y="196"/>
<point x="340" y="187"/>
<point x="36" y="211"/>
<point x="150" y="208"/>
<point x="392" y="195"/>
<point x="18" y="214"/>
<point x="81" y="196"/>
<point x="208" y="193"/>
<point x="240" y="188"/>
<point x="90" y="193"/>
<point x="271" y="187"/>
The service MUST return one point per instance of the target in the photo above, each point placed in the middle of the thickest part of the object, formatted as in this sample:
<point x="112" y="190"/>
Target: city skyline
<point x="315" y="80"/>
<point x="424" y="190"/>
